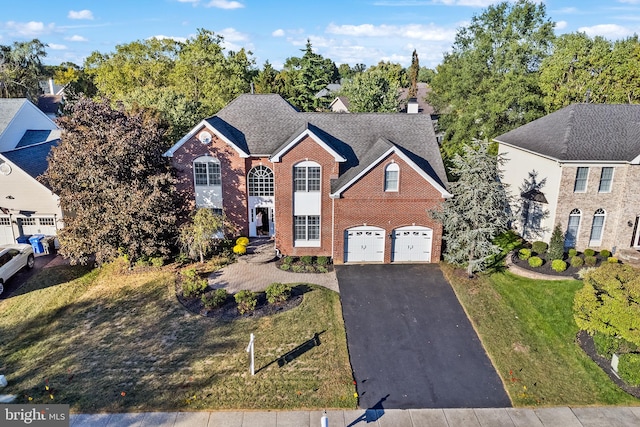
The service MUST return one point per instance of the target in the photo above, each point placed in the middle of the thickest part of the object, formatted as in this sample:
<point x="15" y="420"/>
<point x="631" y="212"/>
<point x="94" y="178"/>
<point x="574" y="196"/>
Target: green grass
<point x="115" y="340"/>
<point x="527" y="328"/>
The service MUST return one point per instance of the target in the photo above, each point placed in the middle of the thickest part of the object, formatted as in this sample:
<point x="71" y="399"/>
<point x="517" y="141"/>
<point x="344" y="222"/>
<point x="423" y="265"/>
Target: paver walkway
<point x="485" y="417"/>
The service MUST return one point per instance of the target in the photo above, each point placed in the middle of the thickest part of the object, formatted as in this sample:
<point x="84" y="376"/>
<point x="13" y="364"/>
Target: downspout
<point x="333" y="225"/>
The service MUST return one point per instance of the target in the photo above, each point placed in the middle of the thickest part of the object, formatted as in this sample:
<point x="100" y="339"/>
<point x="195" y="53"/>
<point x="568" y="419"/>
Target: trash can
<point x="36" y="243"/>
<point x="23" y="239"/>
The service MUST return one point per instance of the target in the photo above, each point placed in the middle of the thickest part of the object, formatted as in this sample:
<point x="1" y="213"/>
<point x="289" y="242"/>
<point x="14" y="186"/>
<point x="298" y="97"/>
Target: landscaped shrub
<point x="572" y="252"/>
<point x="297" y="268"/>
<point x="558" y="265"/>
<point x="590" y="260"/>
<point x="285" y="267"/>
<point x="629" y="368"/>
<point x="322" y="260"/>
<point x="216" y="299"/>
<point x="287" y="260"/>
<point x="612" y="260"/>
<point x="582" y="273"/>
<point x="192" y="284"/>
<point x="605" y="344"/>
<point x="244" y="241"/>
<point x="278" y="292"/>
<point x="604" y="254"/>
<point x="539" y="247"/>
<point x="246" y="301"/>
<point x="239" y="249"/>
<point x="307" y="259"/>
<point x="576" y="261"/>
<point x="535" y="261"/>
<point x="322" y="269"/>
<point x="556" y="244"/>
<point x="589" y="252"/>
<point x="524" y="254"/>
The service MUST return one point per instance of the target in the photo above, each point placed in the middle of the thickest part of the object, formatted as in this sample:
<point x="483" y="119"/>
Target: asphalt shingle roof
<point x="582" y="132"/>
<point x="32" y="159"/>
<point x="32" y="137"/>
<point x="9" y="107"/>
<point x="264" y="123"/>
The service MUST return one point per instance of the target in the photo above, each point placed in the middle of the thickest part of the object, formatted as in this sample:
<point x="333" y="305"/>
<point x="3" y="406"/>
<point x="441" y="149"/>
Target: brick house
<point x="589" y="157"/>
<point x="355" y="187"/>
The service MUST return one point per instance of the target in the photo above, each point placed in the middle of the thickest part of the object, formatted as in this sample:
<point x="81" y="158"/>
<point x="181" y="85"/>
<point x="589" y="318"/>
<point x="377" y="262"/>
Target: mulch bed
<point x="304" y="268"/>
<point x="585" y="341"/>
<point x="545" y="268"/>
<point x="229" y="311"/>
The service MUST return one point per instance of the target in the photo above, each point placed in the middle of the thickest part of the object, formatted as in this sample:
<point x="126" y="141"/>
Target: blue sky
<point x="347" y="31"/>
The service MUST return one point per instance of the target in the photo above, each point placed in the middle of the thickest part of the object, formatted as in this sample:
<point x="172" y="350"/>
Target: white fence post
<point x="250" y="350"/>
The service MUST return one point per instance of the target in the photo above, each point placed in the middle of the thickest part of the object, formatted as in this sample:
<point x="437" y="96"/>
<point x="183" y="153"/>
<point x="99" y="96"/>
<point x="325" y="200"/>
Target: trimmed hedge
<point x="605" y="254"/>
<point x="558" y="265"/>
<point x="539" y="247"/>
<point x="524" y="254"/>
<point x="577" y="261"/>
<point x="590" y="260"/>
<point x="589" y="252"/>
<point x="572" y="252"/>
<point x="612" y="260"/>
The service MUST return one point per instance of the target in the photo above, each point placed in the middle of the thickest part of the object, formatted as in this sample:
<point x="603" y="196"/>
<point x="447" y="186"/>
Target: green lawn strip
<point x="115" y="340"/>
<point x="528" y="330"/>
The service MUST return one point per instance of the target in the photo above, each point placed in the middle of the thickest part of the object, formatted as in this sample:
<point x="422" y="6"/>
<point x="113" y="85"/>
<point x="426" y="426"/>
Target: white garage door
<point x="38" y="225"/>
<point x="412" y="244"/>
<point x="364" y="244"/>
<point x="6" y="234"/>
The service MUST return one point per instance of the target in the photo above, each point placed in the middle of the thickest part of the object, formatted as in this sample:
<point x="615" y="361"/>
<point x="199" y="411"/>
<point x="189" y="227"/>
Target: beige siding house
<point x="585" y="161"/>
<point x="26" y="206"/>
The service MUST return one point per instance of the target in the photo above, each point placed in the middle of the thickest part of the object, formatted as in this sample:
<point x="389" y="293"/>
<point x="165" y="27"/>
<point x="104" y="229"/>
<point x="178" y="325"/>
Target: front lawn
<point x="527" y="328"/>
<point x="115" y="340"/>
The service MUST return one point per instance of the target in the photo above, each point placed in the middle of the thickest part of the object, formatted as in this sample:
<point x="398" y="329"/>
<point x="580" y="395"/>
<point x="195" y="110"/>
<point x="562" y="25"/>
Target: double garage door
<point x="367" y="244"/>
<point x="29" y="225"/>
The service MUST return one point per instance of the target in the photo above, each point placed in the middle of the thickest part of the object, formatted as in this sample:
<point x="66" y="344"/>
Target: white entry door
<point x="364" y="244"/>
<point x="412" y="244"/>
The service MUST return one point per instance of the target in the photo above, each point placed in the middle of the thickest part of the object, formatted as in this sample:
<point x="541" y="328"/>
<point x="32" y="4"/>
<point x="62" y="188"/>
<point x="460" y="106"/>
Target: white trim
<point x="445" y="194"/>
<point x="587" y="163"/>
<point x="597" y="243"/>
<point x="276" y="157"/>
<point x="613" y="172"/>
<point x="391" y="167"/>
<point x="586" y="181"/>
<point x="197" y="129"/>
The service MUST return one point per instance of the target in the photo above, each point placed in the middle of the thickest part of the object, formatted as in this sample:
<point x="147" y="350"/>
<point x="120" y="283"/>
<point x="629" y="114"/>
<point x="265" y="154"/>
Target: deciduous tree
<point x="371" y="92"/>
<point x="203" y="233"/>
<point x="478" y="211"/>
<point x="21" y="69"/>
<point x="115" y="186"/>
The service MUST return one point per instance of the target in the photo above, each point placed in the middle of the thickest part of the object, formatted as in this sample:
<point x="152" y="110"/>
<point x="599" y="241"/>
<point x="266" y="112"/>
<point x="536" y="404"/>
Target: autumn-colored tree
<point x="115" y="187"/>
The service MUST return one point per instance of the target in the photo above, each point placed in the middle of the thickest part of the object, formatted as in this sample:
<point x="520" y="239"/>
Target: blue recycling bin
<point x="23" y="239"/>
<point x="36" y="243"/>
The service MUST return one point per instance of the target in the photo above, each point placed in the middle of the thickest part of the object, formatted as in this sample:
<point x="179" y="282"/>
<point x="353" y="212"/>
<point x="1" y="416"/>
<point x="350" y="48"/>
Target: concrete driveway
<point x="410" y="342"/>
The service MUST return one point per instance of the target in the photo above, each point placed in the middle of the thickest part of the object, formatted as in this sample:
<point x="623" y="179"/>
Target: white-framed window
<point x="580" y="186"/>
<point x="260" y="181"/>
<point x="306" y="176"/>
<point x="597" y="227"/>
<point x="306" y="228"/>
<point x="206" y="172"/>
<point x="606" y="177"/>
<point x="391" y="177"/>
<point x="572" y="228"/>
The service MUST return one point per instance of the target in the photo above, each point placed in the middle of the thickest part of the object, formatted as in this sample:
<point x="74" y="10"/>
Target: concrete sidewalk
<point x="501" y="417"/>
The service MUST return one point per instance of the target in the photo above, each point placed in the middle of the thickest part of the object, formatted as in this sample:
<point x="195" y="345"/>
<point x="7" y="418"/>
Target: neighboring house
<point x="340" y="105"/>
<point x="356" y="187"/>
<point x="26" y="205"/>
<point x="51" y="99"/>
<point x="578" y="167"/>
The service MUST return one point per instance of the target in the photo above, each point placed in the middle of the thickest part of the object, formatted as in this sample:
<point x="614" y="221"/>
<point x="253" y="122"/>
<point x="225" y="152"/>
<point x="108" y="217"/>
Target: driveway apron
<point x="410" y="342"/>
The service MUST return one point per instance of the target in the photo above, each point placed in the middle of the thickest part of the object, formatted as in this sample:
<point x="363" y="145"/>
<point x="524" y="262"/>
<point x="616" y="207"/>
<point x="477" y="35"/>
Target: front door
<point x="261" y="223"/>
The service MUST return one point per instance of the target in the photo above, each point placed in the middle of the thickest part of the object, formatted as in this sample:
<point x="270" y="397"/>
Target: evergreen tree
<point x="265" y="81"/>
<point x="414" y="71"/>
<point x="556" y="245"/>
<point x="478" y="210"/>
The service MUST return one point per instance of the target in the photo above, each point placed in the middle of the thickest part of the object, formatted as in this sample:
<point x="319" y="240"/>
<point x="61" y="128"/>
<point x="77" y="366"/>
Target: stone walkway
<point x="257" y="270"/>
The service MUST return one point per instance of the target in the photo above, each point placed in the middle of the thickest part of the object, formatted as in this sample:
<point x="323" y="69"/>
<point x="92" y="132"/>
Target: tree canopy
<point x="115" y="186"/>
<point x="371" y="91"/>
<point x="489" y="83"/>
<point x="478" y="211"/>
<point x="21" y="69"/>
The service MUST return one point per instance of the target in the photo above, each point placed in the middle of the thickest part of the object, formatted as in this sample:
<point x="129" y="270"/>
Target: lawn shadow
<point x="372" y="414"/>
<point x="291" y="355"/>
<point x="41" y="278"/>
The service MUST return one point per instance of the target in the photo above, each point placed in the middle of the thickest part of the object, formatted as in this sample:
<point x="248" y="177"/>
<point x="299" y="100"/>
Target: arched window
<point x="597" y="227"/>
<point x="572" y="228"/>
<point x="391" y="177"/>
<point x="306" y="176"/>
<point x="206" y="172"/>
<point x="260" y="181"/>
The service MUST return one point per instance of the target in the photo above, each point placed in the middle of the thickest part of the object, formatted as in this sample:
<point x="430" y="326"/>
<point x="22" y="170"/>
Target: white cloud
<point x="161" y="37"/>
<point x="76" y="38"/>
<point x="413" y="3"/>
<point x="412" y="31"/>
<point x="235" y="40"/>
<point x="278" y="33"/>
<point x="30" y="29"/>
<point x="630" y="1"/>
<point x="80" y="14"/>
<point x="561" y="25"/>
<point x="225" y="4"/>
<point x="55" y="46"/>
<point x="611" y="31"/>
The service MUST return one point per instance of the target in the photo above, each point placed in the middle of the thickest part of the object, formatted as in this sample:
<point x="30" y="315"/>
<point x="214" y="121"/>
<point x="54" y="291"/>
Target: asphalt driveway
<point x="410" y="342"/>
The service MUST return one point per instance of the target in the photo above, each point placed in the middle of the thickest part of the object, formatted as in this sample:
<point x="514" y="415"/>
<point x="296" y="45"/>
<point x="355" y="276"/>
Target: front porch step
<point x="260" y="250"/>
<point x="629" y="256"/>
